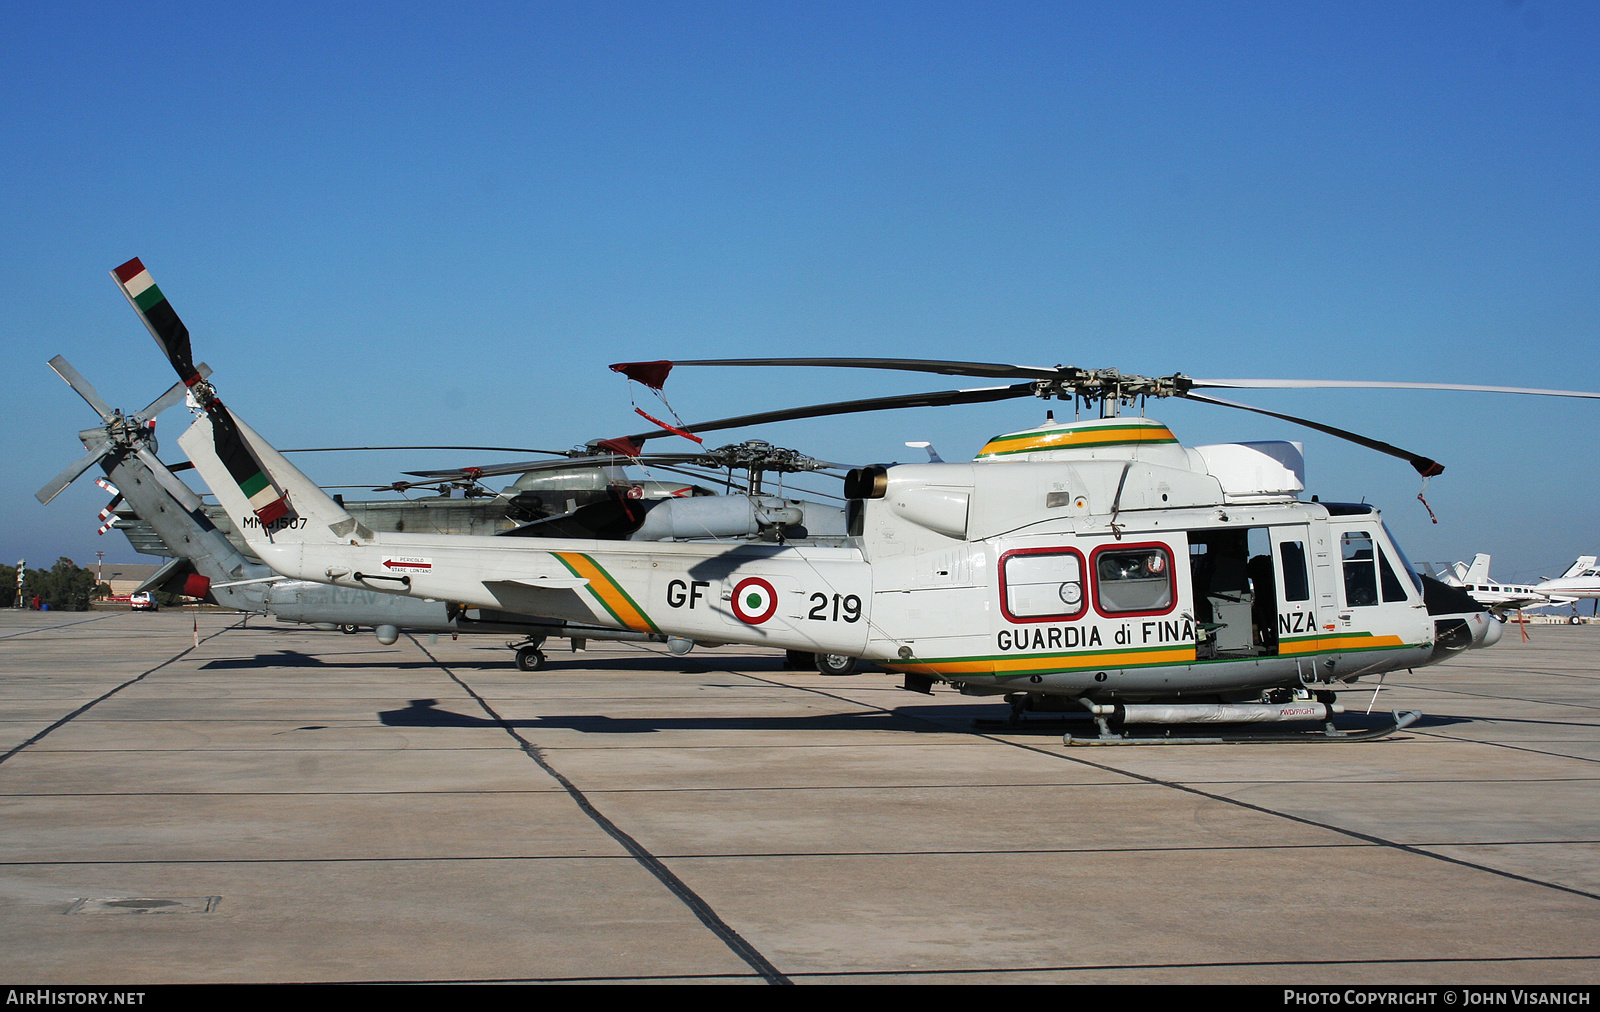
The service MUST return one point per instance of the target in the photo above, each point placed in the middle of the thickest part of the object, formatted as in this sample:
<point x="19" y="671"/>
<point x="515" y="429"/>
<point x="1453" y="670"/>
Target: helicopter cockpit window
<point x="1037" y="585"/>
<point x="1133" y="580"/>
<point x="1360" y="569"/>
<point x="1393" y="589"/>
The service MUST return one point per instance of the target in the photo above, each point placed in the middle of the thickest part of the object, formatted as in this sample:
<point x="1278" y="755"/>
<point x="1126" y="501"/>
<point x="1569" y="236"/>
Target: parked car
<point x="143" y="601"/>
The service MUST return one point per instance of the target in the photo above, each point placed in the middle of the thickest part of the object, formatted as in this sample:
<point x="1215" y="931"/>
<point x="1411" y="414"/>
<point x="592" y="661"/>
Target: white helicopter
<point x="1091" y="566"/>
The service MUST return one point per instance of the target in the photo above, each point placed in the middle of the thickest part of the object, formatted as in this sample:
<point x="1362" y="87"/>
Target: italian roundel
<point x="754" y="600"/>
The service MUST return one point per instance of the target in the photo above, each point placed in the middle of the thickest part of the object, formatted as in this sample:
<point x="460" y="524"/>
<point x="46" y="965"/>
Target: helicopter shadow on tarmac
<point x="297" y="659"/>
<point x="929" y="719"/>
<point x="356" y="660"/>
<point x="426" y="713"/>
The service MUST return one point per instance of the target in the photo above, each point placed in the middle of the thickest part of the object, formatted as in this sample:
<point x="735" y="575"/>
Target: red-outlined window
<point x="1133" y="579"/>
<point x="1043" y="585"/>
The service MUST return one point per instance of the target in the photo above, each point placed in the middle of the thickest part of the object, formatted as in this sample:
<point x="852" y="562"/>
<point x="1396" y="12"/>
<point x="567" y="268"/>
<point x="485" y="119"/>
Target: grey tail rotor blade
<point x="97" y="449"/>
<point x="85" y="389"/>
<point x="174" y="395"/>
<point x="1426" y="466"/>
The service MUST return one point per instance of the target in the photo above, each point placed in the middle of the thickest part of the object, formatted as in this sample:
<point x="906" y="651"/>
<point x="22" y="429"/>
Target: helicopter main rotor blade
<point x="992" y="370"/>
<point x="266" y="499"/>
<point x="84" y="388"/>
<point x="932" y="399"/>
<point x="159" y="317"/>
<point x="1073" y="375"/>
<point x="1289" y="384"/>
<point x="1426" y="466"/>
<point x="98" y="448"/>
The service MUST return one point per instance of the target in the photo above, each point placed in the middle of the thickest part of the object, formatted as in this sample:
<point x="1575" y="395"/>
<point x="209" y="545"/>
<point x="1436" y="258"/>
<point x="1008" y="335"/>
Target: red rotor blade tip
<point x="651" y="374"/>
<point x="622" y="446"/>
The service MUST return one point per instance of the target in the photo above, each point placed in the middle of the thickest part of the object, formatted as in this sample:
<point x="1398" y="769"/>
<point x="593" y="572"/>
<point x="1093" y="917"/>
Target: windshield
<point x="1405" y="563"/>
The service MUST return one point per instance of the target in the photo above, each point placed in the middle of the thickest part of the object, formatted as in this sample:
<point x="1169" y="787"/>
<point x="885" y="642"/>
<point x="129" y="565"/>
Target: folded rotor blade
<point x="489" y="449"/>
<point x="174" y="394"/>
<point x="85" y="389"/>
<point x="265" y="498"/>
<point x="167" y="480"/>
<point x="1426" y="466"/>
<point x="937" y="398"/>
<point x="159" y="316"/>
<point x="565" y="463"/>
<point x="98" y="448"/>
<point x="1289" y="384"/>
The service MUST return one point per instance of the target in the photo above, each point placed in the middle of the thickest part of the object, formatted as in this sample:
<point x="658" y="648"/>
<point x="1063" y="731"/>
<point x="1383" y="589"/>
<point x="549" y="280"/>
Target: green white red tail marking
<point x="266" y="499"/>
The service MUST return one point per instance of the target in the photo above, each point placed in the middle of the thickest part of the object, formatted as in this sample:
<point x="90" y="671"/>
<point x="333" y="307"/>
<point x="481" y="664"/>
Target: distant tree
<point x="64" y="586"/>
<point x="8" y="586"/>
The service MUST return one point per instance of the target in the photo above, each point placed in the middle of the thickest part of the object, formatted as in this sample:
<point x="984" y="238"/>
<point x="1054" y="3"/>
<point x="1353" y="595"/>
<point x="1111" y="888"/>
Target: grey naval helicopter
<point x="1096" y="567"/>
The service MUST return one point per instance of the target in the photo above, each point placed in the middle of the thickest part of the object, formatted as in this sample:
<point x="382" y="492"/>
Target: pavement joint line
<point x="105" y="696"/>
<point x="58" y="625"/>
<point x="818" y="975"/>
<point x="650" y="862"/>
<point x="1305" y="821"/>
<point x="1439" y="736"/>
<point x="1354" y="834"/>
<point x="1420" y="689"/>
<point x="708" y="856"/>
<point x="1217" y="965"/>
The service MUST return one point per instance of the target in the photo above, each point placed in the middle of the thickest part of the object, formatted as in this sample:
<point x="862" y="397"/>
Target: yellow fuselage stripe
<point x="607" y="591"/>
<point x="1111" y="435"/>
<point x="1028" y="663"/>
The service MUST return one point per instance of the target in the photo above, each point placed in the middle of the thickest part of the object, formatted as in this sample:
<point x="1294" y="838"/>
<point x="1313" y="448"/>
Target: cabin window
<point x="1360" y="569"/>
<point x="1296" y="581"/>
<point x="1134" y="579"/>
<point x="1042" y="584"/>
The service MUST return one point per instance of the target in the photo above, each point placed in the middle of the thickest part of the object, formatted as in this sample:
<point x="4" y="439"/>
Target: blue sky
<point x="403" y="223"/>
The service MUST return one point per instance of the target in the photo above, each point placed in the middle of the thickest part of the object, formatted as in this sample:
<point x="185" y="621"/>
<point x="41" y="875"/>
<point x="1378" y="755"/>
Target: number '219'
<point x="849" y="604"/>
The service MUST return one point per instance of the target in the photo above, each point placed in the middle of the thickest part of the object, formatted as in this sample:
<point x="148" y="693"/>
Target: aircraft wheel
<point x="349" y="630"/>
<point x="836" y="664"/>
<point x="530" y="659"/>
<point x="798" y="660"/>
<point x="1574" y="620"/>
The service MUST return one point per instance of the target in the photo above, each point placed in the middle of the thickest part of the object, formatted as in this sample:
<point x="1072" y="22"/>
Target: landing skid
<point x="1186" y="734"/>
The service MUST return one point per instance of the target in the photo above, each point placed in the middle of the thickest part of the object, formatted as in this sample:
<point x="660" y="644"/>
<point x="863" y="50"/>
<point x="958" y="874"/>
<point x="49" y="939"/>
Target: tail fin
<point x="1584" y="562"/>
<point x="310" y="515"/>
<point x="1478" y="572"/>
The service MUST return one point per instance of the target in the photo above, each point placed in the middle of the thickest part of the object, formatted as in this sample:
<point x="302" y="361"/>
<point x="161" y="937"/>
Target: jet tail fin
<point x="1584" y="562"/>
<point x="1478" y="572"/>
